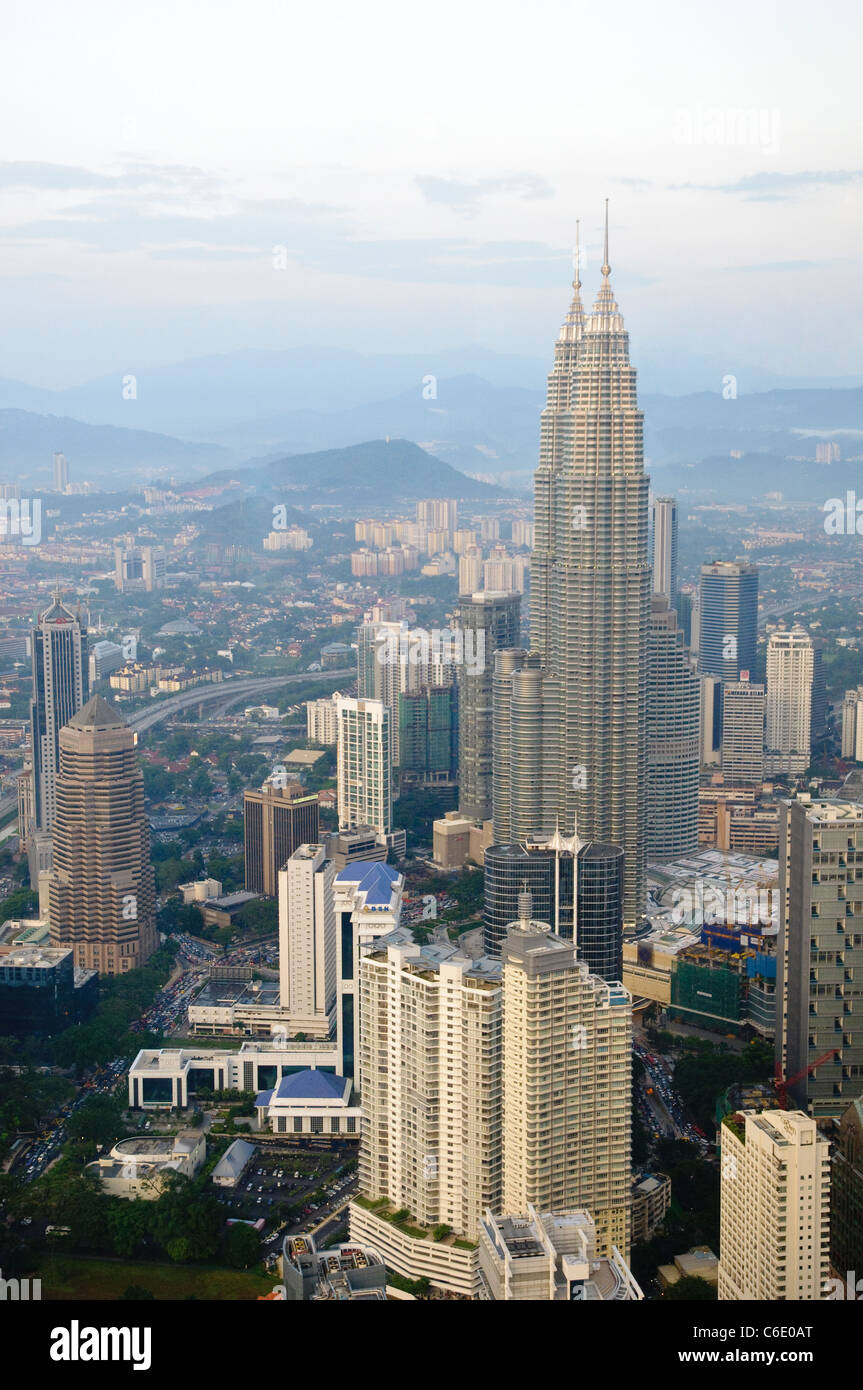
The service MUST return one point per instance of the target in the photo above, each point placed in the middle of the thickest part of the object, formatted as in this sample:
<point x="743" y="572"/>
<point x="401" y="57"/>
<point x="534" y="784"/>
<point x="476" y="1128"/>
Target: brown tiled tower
<point x="102" y="891"/>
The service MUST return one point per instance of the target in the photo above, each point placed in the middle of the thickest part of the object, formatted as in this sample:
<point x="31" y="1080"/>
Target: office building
<point x="428" y="736"/>
<point x="105" y="657"/>
<point x="60" y="688"/>
<point x="364" y="764"/>
<point x="545" y="869"/>
<point x="276" y="821"/>
<point x="665" y="548"/>
<point x="743" y="705"/>
<point x="774" y="1216"/>
<point x="673" y="762"/>
<point x="820" y="954"/>
<point x="492" y="620"/>
<point x="567" y="1040"/>
<point x="728" y="618"/>
<point x="790" y="672"/>
<point x="101" y="892"/>
<point x="846" y="1193"/>
<point x="41" y="992"/>
<point x="307" y="942"/>
<point x="710" y="720"/>
<point x="570" y="733"/>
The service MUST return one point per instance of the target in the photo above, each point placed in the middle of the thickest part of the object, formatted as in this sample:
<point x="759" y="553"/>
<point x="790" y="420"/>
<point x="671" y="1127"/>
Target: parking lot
<point x="293" y="1186"/>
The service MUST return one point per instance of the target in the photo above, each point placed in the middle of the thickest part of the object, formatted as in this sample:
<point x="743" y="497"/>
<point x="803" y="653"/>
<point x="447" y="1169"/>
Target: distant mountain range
<point x="474" y="410"/>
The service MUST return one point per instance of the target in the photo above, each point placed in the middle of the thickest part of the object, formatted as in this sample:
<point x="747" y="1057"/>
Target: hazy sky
<point x="423" y="167"/>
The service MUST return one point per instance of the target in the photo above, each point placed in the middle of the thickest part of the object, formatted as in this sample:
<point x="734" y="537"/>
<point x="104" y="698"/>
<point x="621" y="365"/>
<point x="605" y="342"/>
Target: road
<point x="229" y="692"/>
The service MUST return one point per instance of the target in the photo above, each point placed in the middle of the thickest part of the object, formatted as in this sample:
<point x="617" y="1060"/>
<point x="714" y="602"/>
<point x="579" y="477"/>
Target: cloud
<point x="772" y="186"/>
<point x="36" y="175"/>
<point x="465" y="195"/>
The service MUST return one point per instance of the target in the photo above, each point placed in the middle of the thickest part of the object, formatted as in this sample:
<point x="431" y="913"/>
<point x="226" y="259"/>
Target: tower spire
<point x="606" y="268"/>
<point x="576" y="284"/>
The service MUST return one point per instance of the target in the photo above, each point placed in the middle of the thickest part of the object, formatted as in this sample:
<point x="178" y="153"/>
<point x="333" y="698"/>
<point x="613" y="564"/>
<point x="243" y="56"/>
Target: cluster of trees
<point x="108" y="1034"/>
<point x="27" y="1096"/>
<point x="706" y="1070"/>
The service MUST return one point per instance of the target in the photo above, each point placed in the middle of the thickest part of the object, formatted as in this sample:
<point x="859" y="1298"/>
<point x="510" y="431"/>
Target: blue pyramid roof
<point x="374" y="879"/>
<point x="311" y="1085"/>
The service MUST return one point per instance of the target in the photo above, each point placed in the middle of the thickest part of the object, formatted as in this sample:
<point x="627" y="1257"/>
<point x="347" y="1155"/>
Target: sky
<point x="186" y="178"/>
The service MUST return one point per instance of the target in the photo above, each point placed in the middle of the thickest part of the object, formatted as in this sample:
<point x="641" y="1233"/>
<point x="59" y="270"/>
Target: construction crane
<point x="783" y="1087"/>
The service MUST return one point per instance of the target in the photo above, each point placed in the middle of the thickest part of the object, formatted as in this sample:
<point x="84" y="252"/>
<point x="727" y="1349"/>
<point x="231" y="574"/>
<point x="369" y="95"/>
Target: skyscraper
<point x="673" y="763"/>
<point x="774" y="1215"/>
<point x="276" y="821"/>
<point x="573" y="741"/>
<point x="567" y="1040"/>
<point x="819" y="1011"/>
<point x="743" y="704"/>
<point x="61" y="473"/>
<point x="790" y="669"/>
<point x="429" y="1076"/>
<point x="60" y="688"/>
<point x="493" y="618"/>
<point x="544" y="868"/>
<point x="728" y="618"/>
<point x="102" y="892"/>
<point x="307" y="942"/>
<point x="364" y="764"/>
<point x="665" y="548"/>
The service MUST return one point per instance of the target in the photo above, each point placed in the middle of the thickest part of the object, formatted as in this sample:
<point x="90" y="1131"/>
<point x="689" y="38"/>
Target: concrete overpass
<point x="225" y="694"/>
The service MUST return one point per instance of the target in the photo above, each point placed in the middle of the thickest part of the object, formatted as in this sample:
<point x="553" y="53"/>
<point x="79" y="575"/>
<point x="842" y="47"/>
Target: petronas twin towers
<point x="570" y="714"/>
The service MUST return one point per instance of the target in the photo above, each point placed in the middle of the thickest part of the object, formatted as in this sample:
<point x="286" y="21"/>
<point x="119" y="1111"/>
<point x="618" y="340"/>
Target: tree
<point x="691" y="1288"/>
<point x="242" y="1246"/>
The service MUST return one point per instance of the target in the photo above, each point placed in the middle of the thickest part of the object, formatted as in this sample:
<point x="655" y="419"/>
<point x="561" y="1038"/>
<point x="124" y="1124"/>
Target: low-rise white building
<point x="138" y="1167"/>
<point x="167" y="1078"/>
<point x="310" y="1102"/>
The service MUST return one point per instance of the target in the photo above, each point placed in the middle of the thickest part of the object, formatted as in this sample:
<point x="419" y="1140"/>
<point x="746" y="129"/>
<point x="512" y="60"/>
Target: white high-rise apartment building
<point x="567" y="1099"/>
<point x="852" y="724"/>
<point x="790" y="667"/>
<point x="307" y="942"/>
<point x="774" y="1221"/>
<point x="438" y="514"/>
<point x="321" y="720"/>
<point x="665" y="547"/>
<point x="428" y="1070"/>
<point x="470" y="568"/>
<point x="364" y="761"/>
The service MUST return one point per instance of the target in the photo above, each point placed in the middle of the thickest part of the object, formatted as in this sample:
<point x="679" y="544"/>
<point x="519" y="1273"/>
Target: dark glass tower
<point x="545" y="869"/>
<point x="728" y="625"/>
<point x="60" y="689"/>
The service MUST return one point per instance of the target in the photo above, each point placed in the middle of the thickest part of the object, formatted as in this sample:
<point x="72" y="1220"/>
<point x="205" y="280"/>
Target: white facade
<point x="567" y="1098"/>
<point x="790" y="665"/>
<point x="774" y="1223"/>
<point x="364" y="764"/>
<point x="429" y="1079"/>
<point x="307" y="942"/>
<point x="550" y="1257"/>
<point x="665" y="547"/>
<point x="321" y="721"/>
<point x="743" y="705"/>
<point x="852" y="724"/>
